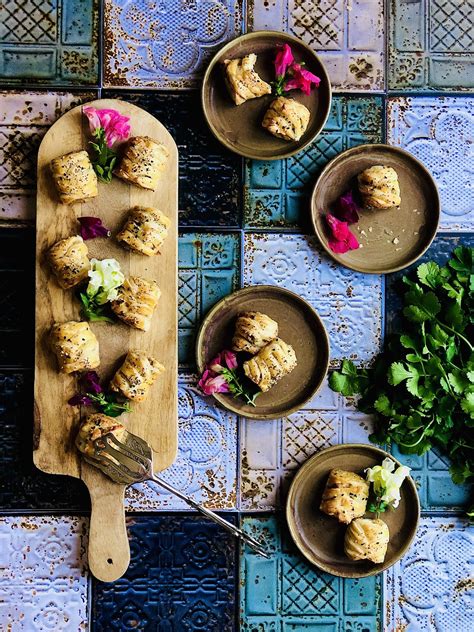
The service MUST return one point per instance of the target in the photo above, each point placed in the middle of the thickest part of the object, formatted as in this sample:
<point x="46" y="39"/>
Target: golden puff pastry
<point x="69" y="261"/>
<point x="253" y="331"/>
<point x="74" y="177"/>
<point x="138" y="372"/>
<point x="75" y="346"/>
<point x="271" y="363"/>
<point x="242" y="81"/>
<point x="143" y="161"/>
<point x="95" y="427"/>
<point x="136" y="301"/>
<point x="145" y="230"/>
<point x="379" y="187"/>
<point x="366" y="539"/>
<point x="345" y="495"/>
<point x="286" y="118"/>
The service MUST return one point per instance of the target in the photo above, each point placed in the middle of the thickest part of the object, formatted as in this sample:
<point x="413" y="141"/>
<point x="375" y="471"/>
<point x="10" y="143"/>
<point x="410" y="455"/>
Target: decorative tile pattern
<point x="431" y="588"/>
<point x="277" y="192"/>
<point x="206" y="465"/>
<point x="431" y="45"/>
<point x="24" y="120"/>
<point x="348" y="36"/>
<point x="440" y="132"/>
<point x="53" y="42"/>
<point x="209" y="269"/>
<point x="166" y="44"/>
<point x="286" y="593"/>
<point x="349" y="303"/>
<point x="271" y="451"/>
<point x="209" y="175"/>
<point x="181" y="577"/>
<point x="43" y="581"/>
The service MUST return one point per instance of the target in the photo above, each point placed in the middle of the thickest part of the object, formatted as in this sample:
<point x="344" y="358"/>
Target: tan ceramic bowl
<point x="239" y="127"/>
<point x="320" y="538"/>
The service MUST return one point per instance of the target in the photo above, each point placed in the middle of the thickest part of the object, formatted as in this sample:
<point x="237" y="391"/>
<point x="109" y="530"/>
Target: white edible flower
<point x="386" y="481"/>
<point x="105" y="277"/>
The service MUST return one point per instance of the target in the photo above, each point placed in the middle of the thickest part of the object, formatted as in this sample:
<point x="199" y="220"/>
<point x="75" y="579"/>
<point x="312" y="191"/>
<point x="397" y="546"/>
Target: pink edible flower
<point x="283" y="60"/>
<point x="302" y="79"/>
<point x="211" y="383"/>
<point x="217" y="364"/>
<point x="342" y="240"/>
<point x="224" y="359"/>
<point x="114" y="124"/>
<point x="230" y="359"/>
<point x="92" y="227"/>
<point x="347" y="209"/>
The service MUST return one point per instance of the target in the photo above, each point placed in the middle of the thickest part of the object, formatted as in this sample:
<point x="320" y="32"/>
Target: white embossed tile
<point x="349" y="303"/>
<point x="206" y="465"/>
<point x="43" y="579"/>
<point x="271" y="451"/>
<point x="431" y="588"/>
<point x="439" y="131"/>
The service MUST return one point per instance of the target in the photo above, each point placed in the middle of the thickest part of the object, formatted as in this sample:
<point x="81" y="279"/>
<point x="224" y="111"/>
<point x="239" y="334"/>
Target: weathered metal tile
<point x="51" y="42"/>
<point x="440" y="132"/>
<point x="25" y="117"/>
<point x="166" y="44"/>
<point x="349" y="37"/>
<point x="206" y="465"/>
<point x="209" y="175"/>
<point x="277" y="192"/>
<point x="271" y="451"/>
<point x="286" y="593"/>
<point x="43" y="576"/>
<point x="431" y="45"/>
<point x="431" y="587"/>
<point x="349" y="303"/>
<point x="182" y="576"/>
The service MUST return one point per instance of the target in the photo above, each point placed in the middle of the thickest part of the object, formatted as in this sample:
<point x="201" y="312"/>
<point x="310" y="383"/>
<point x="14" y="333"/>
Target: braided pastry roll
<point x="145" y="230"/>
<point x="242" y="81"/>
<point x="379" y="187"/>
<point x="74" y="177"/>
<point x="138" y="372"/>
<point x="95" y="427"/>
<point x="136" y="301"/>
<point x="271" y="363"/>
<point x="143" y="161"/>
<point x="253" y="330"/>
<point x="367" y="539"/>
<point x="286" y="118"/>
<point x="345" y="495"/>
<point x="69" y="261"/>
<point x="75" y="346"/>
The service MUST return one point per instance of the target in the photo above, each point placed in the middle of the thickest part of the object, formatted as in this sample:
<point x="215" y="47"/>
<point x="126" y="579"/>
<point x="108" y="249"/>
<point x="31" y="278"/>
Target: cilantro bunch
<point x="421" y="388"/>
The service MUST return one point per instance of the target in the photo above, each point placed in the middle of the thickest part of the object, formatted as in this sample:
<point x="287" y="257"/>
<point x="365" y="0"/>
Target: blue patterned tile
<point x="181" y="577"/>
<point x="430" y="589"/>
<point x="209" y="175"/>
<point x="349" y="303"/>
<point x="286" y="593"/>
<point x="349" y="37"/>
<point x="277" y="192"/>
<point x="440" y="132"/>
<point x="51" y="42"/>
<point x="166" y="44"/>
<point x="431" y="45"/>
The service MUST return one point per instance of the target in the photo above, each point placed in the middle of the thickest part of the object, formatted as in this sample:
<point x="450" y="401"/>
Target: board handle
<point x="109" y="549"/>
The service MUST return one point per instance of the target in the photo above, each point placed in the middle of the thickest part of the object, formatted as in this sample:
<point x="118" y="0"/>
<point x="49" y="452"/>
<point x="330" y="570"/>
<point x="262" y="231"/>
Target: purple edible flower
<point x="90" y="382"/>
<point x="347" y="209"/>
<point x="92" y="227"/>
<point x="80" y="400"/>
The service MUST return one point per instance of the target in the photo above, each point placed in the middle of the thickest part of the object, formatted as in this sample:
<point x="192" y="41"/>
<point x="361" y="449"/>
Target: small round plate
<point x="299" y="325"/>
<point x="239" y="127"/>
<point x="391" y="239"/>
<point x="320" y="537"/>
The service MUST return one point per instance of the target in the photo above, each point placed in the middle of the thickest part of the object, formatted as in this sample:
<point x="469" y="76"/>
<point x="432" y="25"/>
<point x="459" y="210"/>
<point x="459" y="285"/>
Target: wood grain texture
<point x="155" y="420"/>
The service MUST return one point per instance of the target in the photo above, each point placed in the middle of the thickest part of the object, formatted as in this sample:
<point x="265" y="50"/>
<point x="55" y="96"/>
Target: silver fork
<point x="131" y="461"/>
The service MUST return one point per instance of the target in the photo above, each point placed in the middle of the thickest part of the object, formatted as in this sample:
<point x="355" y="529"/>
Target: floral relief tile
<point x="206" y="465"/>
<point x="439" y="131"/>
<point x="165" y="44"/>
<point x="431" y="45"/>
<point x="277" y="192"/>
<point x="49" y="42"/>
<point x="348" y="36"/>
<point x="349" y="303"/>
<point x="43" y="576"/>
<point x="430" y="589"/>
<point x="286" y="593"/>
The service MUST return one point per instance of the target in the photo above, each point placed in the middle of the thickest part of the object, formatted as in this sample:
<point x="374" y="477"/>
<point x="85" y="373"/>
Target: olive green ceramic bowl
<point x="320" y="538"/>
<point x="239" y="127"/>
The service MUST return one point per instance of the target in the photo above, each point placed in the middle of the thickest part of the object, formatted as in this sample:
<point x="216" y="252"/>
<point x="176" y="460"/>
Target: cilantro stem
<point x="456" y="333"/>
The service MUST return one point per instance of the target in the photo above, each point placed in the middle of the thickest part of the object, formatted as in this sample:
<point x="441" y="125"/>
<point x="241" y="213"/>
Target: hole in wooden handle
<point x="110" y="561"/>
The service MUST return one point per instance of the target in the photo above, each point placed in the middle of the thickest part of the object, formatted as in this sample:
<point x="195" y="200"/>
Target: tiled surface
<point x="286" y="593"/>
<point x="166" y="44"/>
<point x="271" y="451"/>
<point x="50" y="42"/>
<point x="349" y="303"/>
<point x="440" y="132"/>
<point x="182" y="577"/>
<point x="43" y="581"/>
<point x="348" y="36"/>
<point x="431" y="588"/>
<point x="431" y="45"/>
<point x="277" y="192"/>
<point x="206" y="465"/>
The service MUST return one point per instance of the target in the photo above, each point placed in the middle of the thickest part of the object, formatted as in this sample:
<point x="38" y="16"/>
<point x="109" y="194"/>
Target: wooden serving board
<point x="155" y="420"/>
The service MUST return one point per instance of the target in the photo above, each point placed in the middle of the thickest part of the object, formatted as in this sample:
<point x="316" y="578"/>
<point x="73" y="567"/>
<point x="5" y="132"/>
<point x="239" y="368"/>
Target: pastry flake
<point x="136" y="301"/>
<point x="242" y="81"/>
<point x="286" y="118"/>
<point x="69" y="261"/>
<point x="273" y="362"/>
<point x="75" y="346"/>
<point x="345" y="496"/>
<point x="145" y="230"/>
<point x="253" y="330"/>
<point x="143" y="161"/>
<point x="367" y="539"/>
<point x="379" y="187"/>
<point x="95" y="427"/>
<point x="138" y="372"/>
<point x="74" y="177"/>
